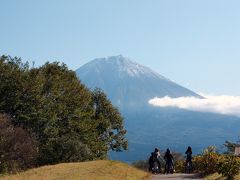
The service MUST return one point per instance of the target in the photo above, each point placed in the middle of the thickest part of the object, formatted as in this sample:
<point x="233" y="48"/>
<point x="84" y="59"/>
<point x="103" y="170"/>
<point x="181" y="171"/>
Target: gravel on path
<point x="176" y="176"/>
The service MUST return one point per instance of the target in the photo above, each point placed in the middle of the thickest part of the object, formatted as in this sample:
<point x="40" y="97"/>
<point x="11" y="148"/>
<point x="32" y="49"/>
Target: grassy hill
<point x="85" y="170"/>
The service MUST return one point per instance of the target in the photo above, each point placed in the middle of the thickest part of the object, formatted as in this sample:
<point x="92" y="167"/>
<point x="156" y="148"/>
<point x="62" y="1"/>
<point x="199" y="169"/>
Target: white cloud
<point x="223" y="104"/>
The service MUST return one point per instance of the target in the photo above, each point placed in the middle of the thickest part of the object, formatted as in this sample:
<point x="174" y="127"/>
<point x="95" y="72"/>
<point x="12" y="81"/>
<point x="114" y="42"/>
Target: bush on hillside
<point x="229" y="166"/>
<point x="141" y="164"/>
<point x="207" y="163"/>
<point x="211" y="162"/>
<point x="180" y="166"/>
<point x="18" y="149"/>
<point x="179" y="162"/>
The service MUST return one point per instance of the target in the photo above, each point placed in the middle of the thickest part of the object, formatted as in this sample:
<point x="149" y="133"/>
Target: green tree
<point x="109" y="123"/>
<point x="70" y="122"/>
<point x="12" y="84"/>
<point x="65" y="115"/>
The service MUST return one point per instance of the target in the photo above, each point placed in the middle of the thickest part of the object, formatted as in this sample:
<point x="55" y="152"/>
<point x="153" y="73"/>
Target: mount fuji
<point x="127" y="83"/>
<point x="130" y="86"/>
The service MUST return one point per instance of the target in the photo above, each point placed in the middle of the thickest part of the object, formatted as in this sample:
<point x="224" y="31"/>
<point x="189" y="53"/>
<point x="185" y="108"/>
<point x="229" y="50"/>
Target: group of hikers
<point x="154" y="161"/>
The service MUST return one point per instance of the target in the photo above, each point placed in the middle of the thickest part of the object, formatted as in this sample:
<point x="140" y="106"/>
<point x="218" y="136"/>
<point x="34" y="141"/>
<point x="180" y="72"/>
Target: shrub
<point x="228" y="166"/>
<point x="141" y="164"/>
<point x="207" y="163"/>
<point x="179" y="161"/>
<point x="179" y="166"/>
<point x="18" y="149"/>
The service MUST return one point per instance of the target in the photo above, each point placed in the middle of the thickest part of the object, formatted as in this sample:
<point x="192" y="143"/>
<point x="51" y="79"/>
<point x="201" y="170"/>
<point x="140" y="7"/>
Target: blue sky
<point x="196" y="43"/>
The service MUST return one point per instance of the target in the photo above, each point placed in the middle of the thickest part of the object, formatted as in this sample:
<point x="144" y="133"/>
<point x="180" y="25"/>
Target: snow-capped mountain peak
<point x="127" y="82"/>
<point x="123" y="66"/>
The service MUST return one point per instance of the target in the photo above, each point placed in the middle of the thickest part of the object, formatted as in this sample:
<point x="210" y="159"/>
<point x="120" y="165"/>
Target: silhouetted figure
<point x="169" y="166"/>
<point x="188" y="165"/>
<point x="157" y="153"/>
<point x="151" y="161"/>
<point x="189" y="154"/>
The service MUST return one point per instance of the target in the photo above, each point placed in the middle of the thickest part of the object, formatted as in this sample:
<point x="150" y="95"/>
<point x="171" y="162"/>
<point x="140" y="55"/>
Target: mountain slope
<point x="128" y="83"/>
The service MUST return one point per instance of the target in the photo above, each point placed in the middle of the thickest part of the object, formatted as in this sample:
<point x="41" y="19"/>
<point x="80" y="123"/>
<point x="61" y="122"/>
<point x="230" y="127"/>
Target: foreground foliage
<point x="217" y="176"/>
<point x="207" y="163"/>
<point x="18" y="149"/>
<point x="86" y="170"/>
<point x="141" y="164"/>
<point x="229" y="166"/>
<point x="211" y="162"/>
<point x="69" y="122"/>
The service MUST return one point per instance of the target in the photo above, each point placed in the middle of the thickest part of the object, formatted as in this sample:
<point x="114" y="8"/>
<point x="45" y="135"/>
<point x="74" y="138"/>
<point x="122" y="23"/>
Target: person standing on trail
<point x="157" y="153"/>
<point x="169" y="161"/>
<point x="151" y="161"/>
<point x="189" y="155"/>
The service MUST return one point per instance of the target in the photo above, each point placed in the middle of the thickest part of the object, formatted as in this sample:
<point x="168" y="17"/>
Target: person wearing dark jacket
<point x="151" y="161"/>
<point x="189" y="154"/>
<point x="169" y="161"/>
<point x="154" y="163"/>
<point x="157" y="153"/>
<point x="188" y="164"/>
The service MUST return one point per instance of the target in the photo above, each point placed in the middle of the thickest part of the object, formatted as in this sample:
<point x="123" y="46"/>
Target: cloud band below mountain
<point x="223" y="104"/>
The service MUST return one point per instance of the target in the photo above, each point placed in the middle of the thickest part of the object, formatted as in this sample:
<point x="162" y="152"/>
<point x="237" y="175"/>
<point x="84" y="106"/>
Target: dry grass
<point x="93" y="170"/>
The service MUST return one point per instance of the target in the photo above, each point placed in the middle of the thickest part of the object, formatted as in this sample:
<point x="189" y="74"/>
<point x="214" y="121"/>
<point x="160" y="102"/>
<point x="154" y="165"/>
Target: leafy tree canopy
<point x="70" y="122"/>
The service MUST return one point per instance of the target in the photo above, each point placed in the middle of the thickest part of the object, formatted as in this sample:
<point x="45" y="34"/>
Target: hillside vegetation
<point x="47" y="116"/>
<point x="91" y="170"/>
<point x="217" y="176"/>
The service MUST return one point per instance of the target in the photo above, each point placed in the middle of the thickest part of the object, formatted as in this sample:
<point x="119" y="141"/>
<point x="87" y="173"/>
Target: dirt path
<point x="175" y="176"/>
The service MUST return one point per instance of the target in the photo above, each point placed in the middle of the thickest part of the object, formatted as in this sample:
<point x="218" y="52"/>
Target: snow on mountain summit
<point x="122" y="65"/>
<point x="128" y="83"/>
